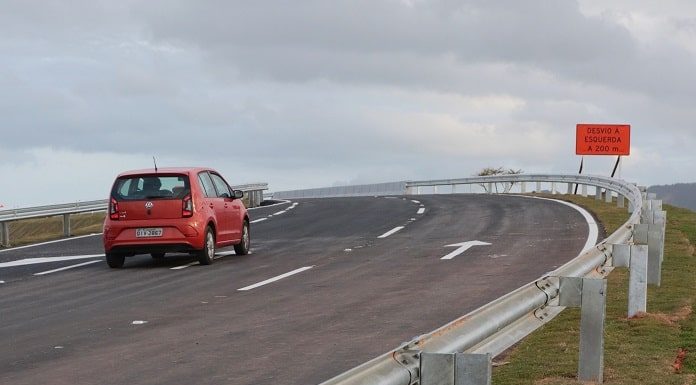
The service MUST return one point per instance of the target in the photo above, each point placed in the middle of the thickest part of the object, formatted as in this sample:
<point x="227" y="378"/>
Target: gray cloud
<point x="309" y="93"/>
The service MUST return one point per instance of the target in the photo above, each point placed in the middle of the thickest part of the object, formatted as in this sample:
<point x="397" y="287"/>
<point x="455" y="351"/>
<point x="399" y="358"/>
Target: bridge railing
<point x="254" y="196"/>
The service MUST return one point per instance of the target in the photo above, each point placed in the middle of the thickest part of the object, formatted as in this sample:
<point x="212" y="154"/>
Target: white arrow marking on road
<point x="462" y="247"/>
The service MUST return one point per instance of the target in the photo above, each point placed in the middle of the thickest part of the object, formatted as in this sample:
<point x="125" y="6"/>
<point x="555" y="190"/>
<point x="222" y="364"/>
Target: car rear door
<point x="231" y="206"/>
<point x="216" y="205"/>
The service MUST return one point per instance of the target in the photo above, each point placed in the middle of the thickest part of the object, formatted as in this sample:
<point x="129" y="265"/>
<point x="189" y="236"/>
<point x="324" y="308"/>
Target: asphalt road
<point x="345" y="295"/>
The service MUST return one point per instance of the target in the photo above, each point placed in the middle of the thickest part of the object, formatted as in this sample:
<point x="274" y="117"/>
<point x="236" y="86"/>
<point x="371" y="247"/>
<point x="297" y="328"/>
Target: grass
<point x="637" y="351"/>
<point x="46" y="229"/>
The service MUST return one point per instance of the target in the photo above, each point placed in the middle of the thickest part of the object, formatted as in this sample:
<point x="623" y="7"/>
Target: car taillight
<point x="187" y="206"/>
<point x="113" y="209"/>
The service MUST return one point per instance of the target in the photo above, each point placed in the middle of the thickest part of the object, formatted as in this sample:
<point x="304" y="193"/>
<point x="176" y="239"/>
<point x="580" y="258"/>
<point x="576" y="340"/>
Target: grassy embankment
<point x="637" y="351"/>
<point x="45" y="229"/>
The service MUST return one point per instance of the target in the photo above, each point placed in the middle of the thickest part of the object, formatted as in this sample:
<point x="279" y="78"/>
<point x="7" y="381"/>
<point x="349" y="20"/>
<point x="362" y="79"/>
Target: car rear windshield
<point x="158" y="186"/>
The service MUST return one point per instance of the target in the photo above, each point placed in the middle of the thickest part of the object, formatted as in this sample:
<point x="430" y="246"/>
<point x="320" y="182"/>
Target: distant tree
<point x="490" y="171"/>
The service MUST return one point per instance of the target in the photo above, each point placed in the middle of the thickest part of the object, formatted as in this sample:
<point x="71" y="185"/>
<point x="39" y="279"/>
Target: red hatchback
<point x="191" y="210"/>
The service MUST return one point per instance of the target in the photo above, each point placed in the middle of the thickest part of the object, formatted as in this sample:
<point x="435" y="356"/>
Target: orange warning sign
<point x="603" y="139"/>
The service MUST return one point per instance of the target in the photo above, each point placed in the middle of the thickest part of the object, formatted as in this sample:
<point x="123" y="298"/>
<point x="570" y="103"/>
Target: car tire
<point x="242" y="248"/>
<point x="115" y="261"/>
<point x="205" y="256"/>
<point x="157" y="255"/>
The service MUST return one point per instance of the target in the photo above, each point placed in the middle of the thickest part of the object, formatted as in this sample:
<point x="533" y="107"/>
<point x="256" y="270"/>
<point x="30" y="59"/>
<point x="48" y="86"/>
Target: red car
<point x="157" y="211"/>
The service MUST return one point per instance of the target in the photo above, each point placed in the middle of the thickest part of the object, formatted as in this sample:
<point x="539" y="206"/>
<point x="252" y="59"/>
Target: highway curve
<point x="351" y="297"/>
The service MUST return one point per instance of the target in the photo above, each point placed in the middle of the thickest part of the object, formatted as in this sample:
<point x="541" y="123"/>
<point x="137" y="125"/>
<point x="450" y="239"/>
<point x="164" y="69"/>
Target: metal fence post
<point x="5" y="234"/>
<point x="635" y="257"/>
<point x="66" y="225"/>
<point x="590" y="295"/>
<point x="592" y="314"/>
<point x="652" y="236"/>
<point x="455" y="369"/>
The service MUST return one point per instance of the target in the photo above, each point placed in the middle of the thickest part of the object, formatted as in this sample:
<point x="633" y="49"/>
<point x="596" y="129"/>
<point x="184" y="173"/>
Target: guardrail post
<point x="620" y="201"/>
<point x="538" y="187"/>
<point x="652" y="236"/>
<point x="590" y="295"/>
<point x="598" y="193"/>
<point x="434" y="189"/>
<point x="455" y="369"/>
<point x="454" y="188"/>
<point x="5" y="234"/>
<point x="66" y="225"/>
<point x="523" y="187"/>
<point x="635" y="257"/>
<point x="553" y="188"/>
<point x="592" y="314"/>
<point x="609" y="198"/>
<point x="570" y="189"/>
<point x="583" y="188"/>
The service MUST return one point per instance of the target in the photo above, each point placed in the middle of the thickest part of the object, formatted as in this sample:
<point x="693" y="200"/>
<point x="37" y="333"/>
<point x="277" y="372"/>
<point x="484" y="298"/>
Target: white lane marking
<point x="2" y="281"/>
<point x="279" y="212"/>
<point x="282" y="202"/>
<point x="258" y="220"/>
<point x="390" y="232"/>
<point x="217" y="256"/>
<point x="33" y="261"/>
<point x="420" y="210"/>
<point x="184" y="266"/>
<point x="138" y="322"/>
<point x="49" y="242"/>
<point x="593" y="233"/>
<point x="462" y="247"/>
<point x="276" y="278"/>
<point x="66" y="268"/>
<point x="415" y="201"/>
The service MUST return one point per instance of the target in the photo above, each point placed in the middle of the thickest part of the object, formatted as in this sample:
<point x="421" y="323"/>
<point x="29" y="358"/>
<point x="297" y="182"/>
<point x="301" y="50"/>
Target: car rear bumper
<point x="177" y="236"/>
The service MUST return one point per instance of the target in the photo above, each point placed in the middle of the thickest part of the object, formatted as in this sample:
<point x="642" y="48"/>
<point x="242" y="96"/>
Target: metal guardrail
<point x="254" y="194"/>
<point x="505" y="321"/>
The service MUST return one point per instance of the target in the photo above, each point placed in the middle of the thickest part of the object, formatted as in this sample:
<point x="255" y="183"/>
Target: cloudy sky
<point x="319" y="93"/>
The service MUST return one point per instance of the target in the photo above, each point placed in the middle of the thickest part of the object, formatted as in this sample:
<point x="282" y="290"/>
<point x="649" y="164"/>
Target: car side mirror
<point x="238" y="194"/>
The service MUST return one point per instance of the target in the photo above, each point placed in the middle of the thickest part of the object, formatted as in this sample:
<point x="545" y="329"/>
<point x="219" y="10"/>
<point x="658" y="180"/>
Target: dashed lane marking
<point x="420" y="210"/>
<point x="390" y="232"/>
<point x="33" y="261"/>
<point x="66" y="268"/>
<point x="276" y="278"/>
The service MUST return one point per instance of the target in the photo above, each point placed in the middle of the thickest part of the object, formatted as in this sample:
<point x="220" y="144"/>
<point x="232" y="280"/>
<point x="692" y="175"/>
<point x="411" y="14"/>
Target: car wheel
<point x="115" y="261"/>
<point x="242" y="248"/>
<point x="205" y="256"/>
<point x="157" y="255"/>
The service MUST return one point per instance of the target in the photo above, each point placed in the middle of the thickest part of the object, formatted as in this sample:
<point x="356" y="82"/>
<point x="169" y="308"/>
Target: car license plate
<point x="150" y="232"/>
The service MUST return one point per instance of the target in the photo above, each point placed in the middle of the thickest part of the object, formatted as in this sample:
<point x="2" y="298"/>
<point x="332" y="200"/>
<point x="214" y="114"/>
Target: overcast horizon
<point x="320" y="93"/>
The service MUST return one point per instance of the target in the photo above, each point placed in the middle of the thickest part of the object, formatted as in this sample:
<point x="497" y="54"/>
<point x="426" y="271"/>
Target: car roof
<point x="166" y="170"/>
